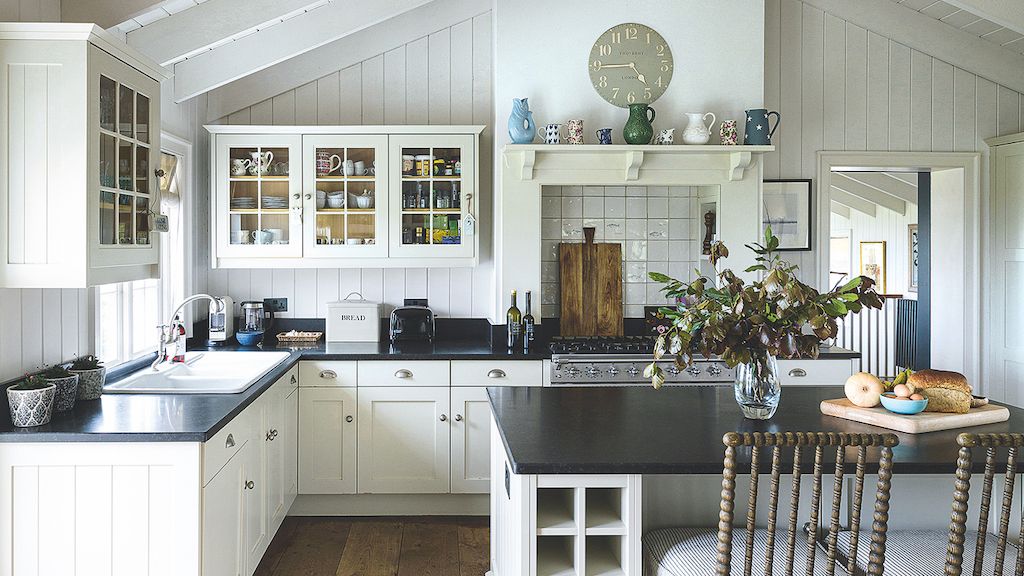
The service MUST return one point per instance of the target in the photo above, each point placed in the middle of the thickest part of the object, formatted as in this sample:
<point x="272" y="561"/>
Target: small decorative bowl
<point x="248" y="338"/>
<point x="893" y="404"/>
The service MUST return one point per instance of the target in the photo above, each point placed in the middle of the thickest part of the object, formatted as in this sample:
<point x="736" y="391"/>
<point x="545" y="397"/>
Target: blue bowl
<point x="249" y="338"/>
<point x="893" y="404"/>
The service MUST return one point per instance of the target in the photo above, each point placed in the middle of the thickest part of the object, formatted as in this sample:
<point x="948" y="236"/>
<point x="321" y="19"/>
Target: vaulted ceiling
<point x="998" y="21"/>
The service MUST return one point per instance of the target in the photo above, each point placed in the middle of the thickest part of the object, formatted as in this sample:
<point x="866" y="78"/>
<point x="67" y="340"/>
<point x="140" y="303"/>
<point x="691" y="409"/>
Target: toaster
<point x="412" y="323"/>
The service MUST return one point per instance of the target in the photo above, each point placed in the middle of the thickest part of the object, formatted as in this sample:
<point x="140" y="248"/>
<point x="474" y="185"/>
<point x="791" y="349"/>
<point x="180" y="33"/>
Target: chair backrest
<point x="798" y="441"/>
<point x="961" y="493"/>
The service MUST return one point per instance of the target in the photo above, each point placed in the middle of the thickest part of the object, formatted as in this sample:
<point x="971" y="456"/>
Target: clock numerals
<point x="631" y="33"/>
<point x="659" y="83"/>
<point x="631" y="97"/>
<point x="615" y="93"/>
<point x="596" y="65"/>
<point x="616" y="37"/>
<point x="660" y="47"/>
<point x="602" y="82"/>
<point x="647" y="94"/>
<point x="606" y="49"/>
<point x="665" y="66"/>
<point x="630" y="63"/>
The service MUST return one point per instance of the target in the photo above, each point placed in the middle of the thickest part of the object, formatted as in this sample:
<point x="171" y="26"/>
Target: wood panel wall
<point x="443" y="78"/>
<point x="841" y="87"/>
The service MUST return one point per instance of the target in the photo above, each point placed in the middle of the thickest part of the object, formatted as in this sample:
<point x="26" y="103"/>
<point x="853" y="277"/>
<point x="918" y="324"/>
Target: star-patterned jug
<point x="757" y="132"/>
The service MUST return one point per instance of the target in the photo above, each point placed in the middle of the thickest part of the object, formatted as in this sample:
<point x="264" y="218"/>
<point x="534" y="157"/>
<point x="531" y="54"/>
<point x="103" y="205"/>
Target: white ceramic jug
<point x="261" y="161"/>
<point x="696" y="131"/>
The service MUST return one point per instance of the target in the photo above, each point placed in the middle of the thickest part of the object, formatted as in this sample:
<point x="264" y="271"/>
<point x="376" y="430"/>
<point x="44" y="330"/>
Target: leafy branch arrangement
<point x="742" y="323"/>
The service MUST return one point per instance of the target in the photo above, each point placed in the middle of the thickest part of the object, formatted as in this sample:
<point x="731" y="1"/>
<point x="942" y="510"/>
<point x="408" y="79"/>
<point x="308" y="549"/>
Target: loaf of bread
<point x="946" y="391"/>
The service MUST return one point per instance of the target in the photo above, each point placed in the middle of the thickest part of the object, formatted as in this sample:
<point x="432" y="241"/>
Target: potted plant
<point x="31" y="402"/>
<point x="748" y="325"/>
<point x="91" y="376"/>
<point x="67" y="386"/>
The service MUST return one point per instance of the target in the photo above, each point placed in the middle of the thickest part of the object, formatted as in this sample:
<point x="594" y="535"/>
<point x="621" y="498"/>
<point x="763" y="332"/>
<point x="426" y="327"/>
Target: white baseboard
<point x="391" y="505"/>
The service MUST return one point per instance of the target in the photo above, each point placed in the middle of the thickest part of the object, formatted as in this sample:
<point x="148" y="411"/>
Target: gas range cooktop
<point x="620" y="361"/>
<point x="602" y="345"/>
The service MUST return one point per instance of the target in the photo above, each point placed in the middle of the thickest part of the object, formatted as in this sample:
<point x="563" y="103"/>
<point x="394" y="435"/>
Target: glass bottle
<point x="514" y="323"/>
<point x="528" y="326"/>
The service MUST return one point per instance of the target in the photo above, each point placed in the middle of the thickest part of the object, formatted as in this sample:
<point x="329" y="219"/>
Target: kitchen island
<point x="579" y="474"/>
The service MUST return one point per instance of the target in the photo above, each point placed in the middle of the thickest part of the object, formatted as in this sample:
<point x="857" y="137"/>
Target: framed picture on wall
<point x="912" y="257"/>
<point x="787" y="209"/>
<point x="872" y="263"/>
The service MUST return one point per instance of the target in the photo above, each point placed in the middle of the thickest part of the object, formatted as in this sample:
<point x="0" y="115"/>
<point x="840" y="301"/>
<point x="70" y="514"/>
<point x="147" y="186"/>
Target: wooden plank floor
<point x="415" y="546"/>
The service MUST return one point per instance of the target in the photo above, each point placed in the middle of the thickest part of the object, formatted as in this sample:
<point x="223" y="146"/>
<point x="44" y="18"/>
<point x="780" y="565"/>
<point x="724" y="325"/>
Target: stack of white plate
<point x="243" y="203"/>
<point x="274" y="202"/>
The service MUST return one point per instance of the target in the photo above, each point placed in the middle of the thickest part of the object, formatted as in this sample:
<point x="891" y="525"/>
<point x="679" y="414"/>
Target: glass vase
<point x="757" y="388"/>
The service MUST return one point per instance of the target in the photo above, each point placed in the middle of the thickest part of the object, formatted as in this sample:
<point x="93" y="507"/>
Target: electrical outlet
<point x="416" y="302"/>
<point x="276" y="304"/>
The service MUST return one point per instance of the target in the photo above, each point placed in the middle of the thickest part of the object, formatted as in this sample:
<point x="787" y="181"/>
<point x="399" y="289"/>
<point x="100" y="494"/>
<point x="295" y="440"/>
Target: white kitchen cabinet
<point x="223" y="511"/>
<point x="78" y="152"/>
<point x="291" y="450"/>
<point x="345" y="196"/>
<point x="470" y="436"/>
<point x="327" y="440"/>
<point x="280" y="442"/>
<point x="404" y="440"/>
<point x="816" y="372"/>
<point x="255" y="536"/>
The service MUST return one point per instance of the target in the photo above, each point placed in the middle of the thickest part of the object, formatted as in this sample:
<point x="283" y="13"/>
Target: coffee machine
<point x="256" y="319"/>
<point x="222" y="321"/>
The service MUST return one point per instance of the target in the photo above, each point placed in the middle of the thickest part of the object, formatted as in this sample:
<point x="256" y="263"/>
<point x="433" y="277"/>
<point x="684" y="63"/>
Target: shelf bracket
<point x="634" y="158"/>
<point x="738" y="164"/>
<point x="529" y="158"/>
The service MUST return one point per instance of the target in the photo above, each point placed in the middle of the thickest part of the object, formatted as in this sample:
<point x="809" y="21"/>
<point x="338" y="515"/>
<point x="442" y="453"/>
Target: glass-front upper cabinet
<point x="345" y="197"/>
<point x="259" y="203"/>
<point x="432" y="194"/>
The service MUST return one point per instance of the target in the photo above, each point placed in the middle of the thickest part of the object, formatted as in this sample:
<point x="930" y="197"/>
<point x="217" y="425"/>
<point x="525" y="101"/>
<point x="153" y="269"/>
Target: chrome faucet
<point x="168" y="331"/>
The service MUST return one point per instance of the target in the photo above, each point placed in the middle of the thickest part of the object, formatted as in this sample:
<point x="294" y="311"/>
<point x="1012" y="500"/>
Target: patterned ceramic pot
<point x="90" y="382"/>
<point x="574" y="132"/>
<point x="31" y="407"/>
<point x="67" y="392"/>
<point x="728" y="132"/>
<point x="638" y="129"/>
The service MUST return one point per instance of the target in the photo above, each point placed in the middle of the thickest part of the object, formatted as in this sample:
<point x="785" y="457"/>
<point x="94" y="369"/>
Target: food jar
<point x="423" y="165"/>
<point x="439" y="167"/>
<point x="408" y="164"/>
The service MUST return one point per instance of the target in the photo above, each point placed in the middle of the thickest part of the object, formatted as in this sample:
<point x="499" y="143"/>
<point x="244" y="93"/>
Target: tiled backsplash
<point x="656" y="225"/>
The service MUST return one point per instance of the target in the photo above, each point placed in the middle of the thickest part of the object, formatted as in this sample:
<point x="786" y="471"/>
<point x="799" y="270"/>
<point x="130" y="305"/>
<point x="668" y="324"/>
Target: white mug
<point x="276" y="234"/>
<point x="241" y="237"/>
<point x="360" y="168"/>
<point x="240" y="166"/>
<point x="350" y="167"/>
<point x="262" y="236"/>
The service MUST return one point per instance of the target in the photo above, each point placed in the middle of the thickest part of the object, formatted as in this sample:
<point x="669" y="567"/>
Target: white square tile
<point x="572" y="229"/>
<point x="657" y="251"/>
<point x="549" y="250"/>
<point x="679" y="208"/>
<point x="572" y="207"/>
<point x="680" y="270"/>
<point x="636" y="191"/>
<point x="549" y="272"/>
<point x="633" y="311"/>
<point x="549" y="293"/>
<point x="680" y="229"/>
<point x="597" y="224"/>
<point x="636" y="207"/>
<point x="549" y="311"/>
<point x="679" y="251"/>
<point x="551" y="207"/>
<point x="553" y="191"/>
<point x="655" y="297"/>
<point x="636" y="250"/>
<point x="614" y="229"/>
<point x="657" y="228"/>
<point x="661" y="191"/>
<point x="636" y="293"/>
<point x="593" y="191"/>
<point x="593" y="207"/>
<point x="551" y="228"/>
<point x="572" y="191"/>
<point x="657" y="207"/>
<point x="636" y="272"/>
<point x="680" y="191"/>
<point x="615" y="207"/>
<point x="636" y="229"/>
<point x="614" y="190"/>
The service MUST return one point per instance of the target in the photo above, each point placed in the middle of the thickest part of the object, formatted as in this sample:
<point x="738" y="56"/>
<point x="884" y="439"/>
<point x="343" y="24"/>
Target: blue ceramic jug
<point x="757" y="132"/>
<point x="521" y="128"/>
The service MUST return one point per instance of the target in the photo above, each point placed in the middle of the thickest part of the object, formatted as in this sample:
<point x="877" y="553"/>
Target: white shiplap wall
<point x="443" y="78"/>
<point x="841" y="87"/>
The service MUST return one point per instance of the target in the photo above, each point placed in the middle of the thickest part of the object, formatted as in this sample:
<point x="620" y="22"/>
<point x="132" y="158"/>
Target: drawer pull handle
<point x="798" y="372"/>
<point x="249" y="484"/>
<point x="403" y="373"/>
<point x="271" y="435"/>
<point x="349" y="418"/>
<point x="496" y="373"/>
<point x="294" y="379"/>
<point x="328" y="374"/>
<point x="444" y="417"/>
<point x="458" y="417"/>
<point x="230" y="442"/>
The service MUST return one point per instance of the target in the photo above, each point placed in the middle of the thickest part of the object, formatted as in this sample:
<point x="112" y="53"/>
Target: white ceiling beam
<point x="884" y="183"/>
<point x="908" y="177"/>
<point x="868" y="193"/>
<point x="197" y="29"/>
<point x="340" y="54"/>
<point x="839" y="209"/>
<point x="933" y="37"/>
<point x="853" y="202"/>
<point x="1006" y="13"/>
<point x="105" y="13"/>
<point x="208" y="70"/>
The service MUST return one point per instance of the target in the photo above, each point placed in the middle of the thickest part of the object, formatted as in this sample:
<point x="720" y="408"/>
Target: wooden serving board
<point x="591" y="288"/>
<point x="916" y="423"/>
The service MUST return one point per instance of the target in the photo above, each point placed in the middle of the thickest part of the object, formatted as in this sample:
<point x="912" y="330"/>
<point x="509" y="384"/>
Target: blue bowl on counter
<point x="893" y="404"/>
<point x="249" y="338"/>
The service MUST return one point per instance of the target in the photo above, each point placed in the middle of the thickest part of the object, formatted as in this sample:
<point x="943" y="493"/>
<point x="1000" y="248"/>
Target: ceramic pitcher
<point x="757" y="131"/>
<point x="261" y="162"/>
<point x="574" y="132"/>
<point x="666" y="136"/>
<point x="521" y="128"/>
<point x="638" y="129"/>
<point x="604" y="136"/>
<point x="550" y="133"/>
<point x="696" y="131"/>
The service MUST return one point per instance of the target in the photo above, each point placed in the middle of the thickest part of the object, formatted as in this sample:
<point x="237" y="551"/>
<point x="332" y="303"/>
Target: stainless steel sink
<point x="201" y="373"/>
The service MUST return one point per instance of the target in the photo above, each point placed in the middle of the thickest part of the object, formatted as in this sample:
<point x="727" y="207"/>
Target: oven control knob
<point x="672" y="369"/>
<point x="613" y="371"/>
<point x="694" y="370"/>
<point x="572" y="371"/>
<point x="714" y="370"/>
<point x="593" y="371"/>
<point x="633" y="370"/>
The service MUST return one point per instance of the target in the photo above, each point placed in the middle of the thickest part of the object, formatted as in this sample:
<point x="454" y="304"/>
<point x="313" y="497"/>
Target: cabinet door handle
<point x="444" y="417"/>
<point x="458" y="417"/>
<point x="294" y="379"/>
<point x="271" y="435"/>
<point x="403" y="373"/>
<point x="349" y="418"/>
<point x="798" y="372"/>
<point x="496" y="373"/>
<point x="230" y="442"/>
<point x="296" y="196"/>
<point x="249" y="484"/>
<point x="308" y="196"/>
<point x="328" y="374"/>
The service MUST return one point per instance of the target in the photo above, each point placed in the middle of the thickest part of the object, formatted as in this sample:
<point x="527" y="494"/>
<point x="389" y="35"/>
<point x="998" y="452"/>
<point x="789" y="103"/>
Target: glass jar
<point x="758" y="388"/>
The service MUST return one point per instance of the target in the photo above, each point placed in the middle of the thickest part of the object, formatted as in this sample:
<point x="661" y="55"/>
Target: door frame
<point x="970" y="164"/>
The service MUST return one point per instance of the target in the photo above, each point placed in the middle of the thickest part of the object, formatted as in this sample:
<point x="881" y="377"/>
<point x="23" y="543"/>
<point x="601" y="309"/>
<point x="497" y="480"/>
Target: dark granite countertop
<point x="678" y="430"/>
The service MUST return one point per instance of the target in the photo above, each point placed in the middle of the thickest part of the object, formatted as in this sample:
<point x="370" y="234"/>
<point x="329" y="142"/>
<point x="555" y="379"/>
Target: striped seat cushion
<point x="923" y="552"/>
<point x="693" y="552"/>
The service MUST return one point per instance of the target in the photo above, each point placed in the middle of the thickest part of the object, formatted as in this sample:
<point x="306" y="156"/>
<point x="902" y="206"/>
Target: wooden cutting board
<point x="916" y="423"/>
<point x="591" y="289"/>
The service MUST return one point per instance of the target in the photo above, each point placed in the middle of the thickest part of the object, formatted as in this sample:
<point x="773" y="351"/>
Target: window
<point x="128" y="313"/>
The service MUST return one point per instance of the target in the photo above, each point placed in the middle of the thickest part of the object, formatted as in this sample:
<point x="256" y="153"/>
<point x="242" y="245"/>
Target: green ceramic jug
<point x="638" y="129"/>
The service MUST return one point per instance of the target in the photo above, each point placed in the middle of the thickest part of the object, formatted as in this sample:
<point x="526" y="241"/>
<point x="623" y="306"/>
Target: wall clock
<point x="630" y="63"/>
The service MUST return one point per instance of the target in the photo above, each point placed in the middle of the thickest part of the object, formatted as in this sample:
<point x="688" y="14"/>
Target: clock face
<point x="630" y="64"/>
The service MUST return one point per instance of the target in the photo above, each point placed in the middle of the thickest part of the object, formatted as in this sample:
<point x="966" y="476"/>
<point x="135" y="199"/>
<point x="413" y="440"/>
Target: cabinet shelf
<point x="368" y="178"/>
<point x="428" y="211"/>
<point x="555" y="557"/>
<point x="555" y="515"/>
<point x="344" y="210"/>
<point x="604" y="512"/>
<point x="255" y="178"/>
<point x="429" y="178"/>
<point x="259" y="211"/>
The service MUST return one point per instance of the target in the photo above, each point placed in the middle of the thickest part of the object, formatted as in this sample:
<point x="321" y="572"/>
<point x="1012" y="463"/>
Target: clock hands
<point x="631" y="65"/>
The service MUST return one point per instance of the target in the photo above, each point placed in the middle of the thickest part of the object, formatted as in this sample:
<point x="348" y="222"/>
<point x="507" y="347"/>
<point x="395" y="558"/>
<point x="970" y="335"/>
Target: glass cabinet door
<point x="258" y="201"/>
<point x="433" y="182"/>
<point x="344" y="196"/>
<point x="125" y="152"/>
